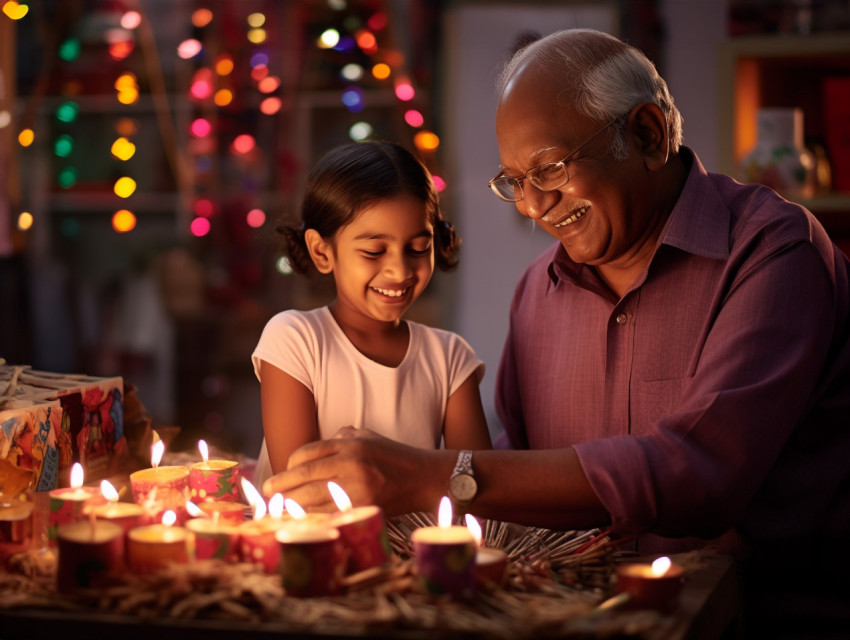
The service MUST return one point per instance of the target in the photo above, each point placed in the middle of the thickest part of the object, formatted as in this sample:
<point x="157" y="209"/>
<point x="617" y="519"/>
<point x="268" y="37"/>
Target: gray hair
<point x="606" y="76"/>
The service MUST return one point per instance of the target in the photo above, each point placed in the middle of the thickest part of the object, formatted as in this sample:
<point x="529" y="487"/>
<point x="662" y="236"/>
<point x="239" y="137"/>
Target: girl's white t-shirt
<point x="406" y="403"/>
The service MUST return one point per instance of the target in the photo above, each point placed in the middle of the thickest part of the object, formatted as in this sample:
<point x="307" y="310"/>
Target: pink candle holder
<point x="16" y="527"/>
<point x="89" y="550"/>
<point x="257" y="543"/>
<point x="154" y="546"/>
<point x="209" y="539"/>
<point x="214" y="480"/>
<point x="363" y="534"/>
<point x="69" y="505"/>
<point x="160" y="489"/>
<point x="445" y="560"/>
<point x="311" y="561"/>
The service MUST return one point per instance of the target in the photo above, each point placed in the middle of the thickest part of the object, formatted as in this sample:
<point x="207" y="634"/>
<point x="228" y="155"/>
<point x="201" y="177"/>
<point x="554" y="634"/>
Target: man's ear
<point x="320" y="250"/>
<point x="649" y="127"/>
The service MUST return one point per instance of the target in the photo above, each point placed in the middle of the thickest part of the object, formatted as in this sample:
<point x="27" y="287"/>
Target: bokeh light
<point x="123" y="221"/>
<point x="5" y="118"/>
<point x="202" y="84"/>
<point x="26" y="137"/>
<point x="223" y="97"/>
<point x="203" y="208"/>
<point x="189" y="48"/>
<point x="124" y="187"/>
<point x="359" y="131"/>
<point x="120" y="50"/>
<point x="244" y="143"/>
<point x="352" y="98"/>
<point x="381" y="71"/>
<point x="131" y="19"/>
<point x="63" y="146"/>
<point x="200" y="127"/>
<point x="413" y="118"/>
<point x="271" y="106"/>
<point x="123" y="149"/>
<point x="351" y="72"/>
<point x="256" y="20"/>
<point x="255" y="218"/>
<point x="404" y="91"/>
<point x="366" y="41"/>
<point x="426" y="141"/>
<point x="14" y="10"/>
<point x="25" y="220"/>
<point x="67" y="177"/>
<point x="67" y="111"/>
<point x="268" y="84"/>
<point x="259" y="72"/>
<point x="283" y="266"/>
<point x="69" y="50"/>
<point x="328" y="39"/>
<point x="439" y="183"/>
<point x="260" y="58"/>
<point x="201" y="17"/>
<point x="256" y="36"/>
<point x="199" y="227"/>
<point x="345" y="45"/>
<point x="224" y="64"/>
<point x="126" y="127"/>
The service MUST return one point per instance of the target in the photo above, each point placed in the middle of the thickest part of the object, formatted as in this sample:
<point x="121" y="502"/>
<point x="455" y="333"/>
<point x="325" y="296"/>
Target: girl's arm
<point x="289" y="414"/>
<point x="465" y="426"/>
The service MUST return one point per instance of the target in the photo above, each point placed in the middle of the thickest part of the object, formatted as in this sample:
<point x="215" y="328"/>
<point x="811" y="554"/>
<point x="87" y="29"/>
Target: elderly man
<point x="678" y="362"/>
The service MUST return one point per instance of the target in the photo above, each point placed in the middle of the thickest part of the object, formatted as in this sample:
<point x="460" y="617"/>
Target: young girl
<point x="371" y="217"/>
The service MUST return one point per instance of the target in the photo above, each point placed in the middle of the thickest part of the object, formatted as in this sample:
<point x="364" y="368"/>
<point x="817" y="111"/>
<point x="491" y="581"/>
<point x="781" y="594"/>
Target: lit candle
<point x="89" y="550"/>
<point x="362" y="531"/>
<point x="651" y="586"/>
<point x="310" y="560"/>
<point x="70" y="503"/>
<point x="155" y="546"/>
<point x="126" y="515"/>
<point x="16" y="526"/>
<point x="233" y="512"/>
<point x="210" y="537"/>
<point x="213" y="479"/>
<point x="299" y="517"/>
<point x="491" y="565"/>
<point x="256" y="537"/>
<point x="445" y="555"/>
<point x="160" y="489"/>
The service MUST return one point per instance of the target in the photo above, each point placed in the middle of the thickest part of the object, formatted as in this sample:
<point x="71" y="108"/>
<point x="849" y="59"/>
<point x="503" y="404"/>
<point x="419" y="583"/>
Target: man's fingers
<point x="312" y="451"/>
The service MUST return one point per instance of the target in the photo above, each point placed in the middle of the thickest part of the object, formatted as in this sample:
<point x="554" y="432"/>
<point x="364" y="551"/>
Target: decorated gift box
<point x="48" y="421"/>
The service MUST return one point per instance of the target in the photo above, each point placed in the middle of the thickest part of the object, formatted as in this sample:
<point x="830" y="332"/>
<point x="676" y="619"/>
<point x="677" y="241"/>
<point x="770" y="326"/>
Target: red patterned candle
<point x="362" y="531"/>
<point x="491" y="565"/>
<point x="154" y="546"/>
<point x="257" y="541"/>
<point x="310" y="560"/>
<point x="213" y="479"/>
<point x="445" y="556"/>
<point x="161" y="489"/>
<point x="210" y="539"/>
<point x="70" y="504"/>
<point x="232" y="512"/>
<point x="89" y="550"/>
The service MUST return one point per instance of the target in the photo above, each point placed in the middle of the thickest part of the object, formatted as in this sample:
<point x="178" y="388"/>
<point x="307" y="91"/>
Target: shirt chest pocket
<point x="654" y="399"/>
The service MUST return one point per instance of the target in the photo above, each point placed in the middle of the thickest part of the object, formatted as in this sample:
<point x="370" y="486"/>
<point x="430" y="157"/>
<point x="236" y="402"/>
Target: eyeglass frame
<point x="563" y="162"/>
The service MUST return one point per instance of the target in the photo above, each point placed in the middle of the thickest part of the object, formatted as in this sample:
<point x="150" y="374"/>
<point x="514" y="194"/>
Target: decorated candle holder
<point x="16" y="527"/>
<point x="127" y="515"/>
<point x="214" y="480"/>
<point x="210" y="539"/>
<point x="69" y="505"/>
<point x="491" y="565"/>
<point x="362" y="530"/>
<point x="160" y="489"/>
<point x="311" y="561"/>
<point x="155" y="546"/>
<point x="89" y="550"/>
<point x="257" y="542"/>
<point x="445" y="556"/>
<point x="232" y="512"/>
<point x="651" y="586"/>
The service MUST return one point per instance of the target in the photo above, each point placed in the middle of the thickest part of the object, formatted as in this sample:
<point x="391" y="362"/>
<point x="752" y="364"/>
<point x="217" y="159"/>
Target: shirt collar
<point x="699" y="223"/>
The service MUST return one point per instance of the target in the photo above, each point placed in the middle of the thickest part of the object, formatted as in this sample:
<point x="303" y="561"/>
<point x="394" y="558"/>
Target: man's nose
<point x="535" y="203"/>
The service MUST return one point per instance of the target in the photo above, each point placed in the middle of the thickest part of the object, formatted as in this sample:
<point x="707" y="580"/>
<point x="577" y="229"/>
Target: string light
<point x="14" y="10"/>
<point x="123" y="221"/>
<point x="26" y="137"/>
<point x="25" y="220"/>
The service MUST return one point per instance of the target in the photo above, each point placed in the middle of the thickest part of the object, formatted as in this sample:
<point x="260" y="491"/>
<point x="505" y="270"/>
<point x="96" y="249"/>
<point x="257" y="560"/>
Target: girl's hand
<point x="370" y="468"/>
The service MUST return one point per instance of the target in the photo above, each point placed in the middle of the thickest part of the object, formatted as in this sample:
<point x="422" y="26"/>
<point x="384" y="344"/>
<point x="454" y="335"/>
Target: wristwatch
<point x="462" y="484"/>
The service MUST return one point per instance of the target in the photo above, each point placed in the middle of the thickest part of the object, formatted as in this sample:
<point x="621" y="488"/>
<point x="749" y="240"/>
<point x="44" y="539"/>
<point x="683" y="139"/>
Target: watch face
<point x="463" y="487"/>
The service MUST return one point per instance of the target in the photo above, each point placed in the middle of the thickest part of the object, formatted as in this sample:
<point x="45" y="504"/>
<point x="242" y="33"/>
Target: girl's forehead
<point x="401" y="216"/>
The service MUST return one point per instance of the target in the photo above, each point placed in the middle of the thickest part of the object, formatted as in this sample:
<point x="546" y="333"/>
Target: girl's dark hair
<point x="347" y="180"/>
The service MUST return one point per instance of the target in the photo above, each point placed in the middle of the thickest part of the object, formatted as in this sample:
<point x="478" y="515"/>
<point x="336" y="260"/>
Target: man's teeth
<point x="578" y="214"/>
<point x="392" y="293"/>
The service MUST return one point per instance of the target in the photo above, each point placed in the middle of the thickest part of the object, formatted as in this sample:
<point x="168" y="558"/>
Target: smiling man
<point x="678" y="362"/>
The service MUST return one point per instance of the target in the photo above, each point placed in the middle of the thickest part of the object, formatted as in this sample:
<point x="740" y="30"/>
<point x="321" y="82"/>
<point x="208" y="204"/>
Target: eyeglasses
<point x="546" y="177"/>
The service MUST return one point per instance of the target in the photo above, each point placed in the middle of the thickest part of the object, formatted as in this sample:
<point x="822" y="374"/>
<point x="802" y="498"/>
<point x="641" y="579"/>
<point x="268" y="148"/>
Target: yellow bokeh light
<point x="426" y="141"/>
<point x="381" y="71"/>
<point x="124" y="187"/>
<point x="256" y="36"/>
<point x="123" y="221"/>
<point x="128" y="96"/>
<point x="256" y="20"/>
<point x="14" y="10"/>
<point x="26" y="137"/>
<point x="25" y="220"/>
<point x="328" y="39"/>
<point x="126" y="81"/>
<point x="223" y="97"/>
<point x="123" y="149"/>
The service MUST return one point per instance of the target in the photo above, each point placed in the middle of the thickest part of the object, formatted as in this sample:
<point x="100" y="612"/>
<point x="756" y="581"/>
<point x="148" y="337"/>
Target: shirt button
<point x="621" y="319"/>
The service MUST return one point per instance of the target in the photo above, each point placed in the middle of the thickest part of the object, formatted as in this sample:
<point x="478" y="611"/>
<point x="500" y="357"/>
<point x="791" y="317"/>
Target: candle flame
<point x="255" y="500"/>
<point x="444" y="515"/>
<point x="276" y="506"/>
<point x="294" y="509"/>
<point x="340" y="497"/>
<point x="77" y="476"/>
<point x="169" y="518"/>
<point x="194" y="510"/>
<point x="108" y="490"/>
<point x="157" y="451"/>
<point x="474" y="528"/>
<point x="204" y="449"/>
<point x="661" y="566"/>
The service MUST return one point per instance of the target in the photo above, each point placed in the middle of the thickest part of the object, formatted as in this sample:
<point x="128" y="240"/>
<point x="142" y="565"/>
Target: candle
<point x="651" y="586"/>
<point x="89" y="550"/>
<point x="69" y="504"/>
<point x="154" y="546"/>
<point x="16" y="526"/>
<point x="213" y="479"/>
<point x="257" y="537"/>
<point x="362" y="531"/>
<point x="160" y="489"/>
<point x="210" y="538"/>
<point x="445" y="555"/>
<point x="126" y="515"/>
<point x="310" y="560"/>
<point x="233" y="512"/>
<point x="491" y="565"/>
